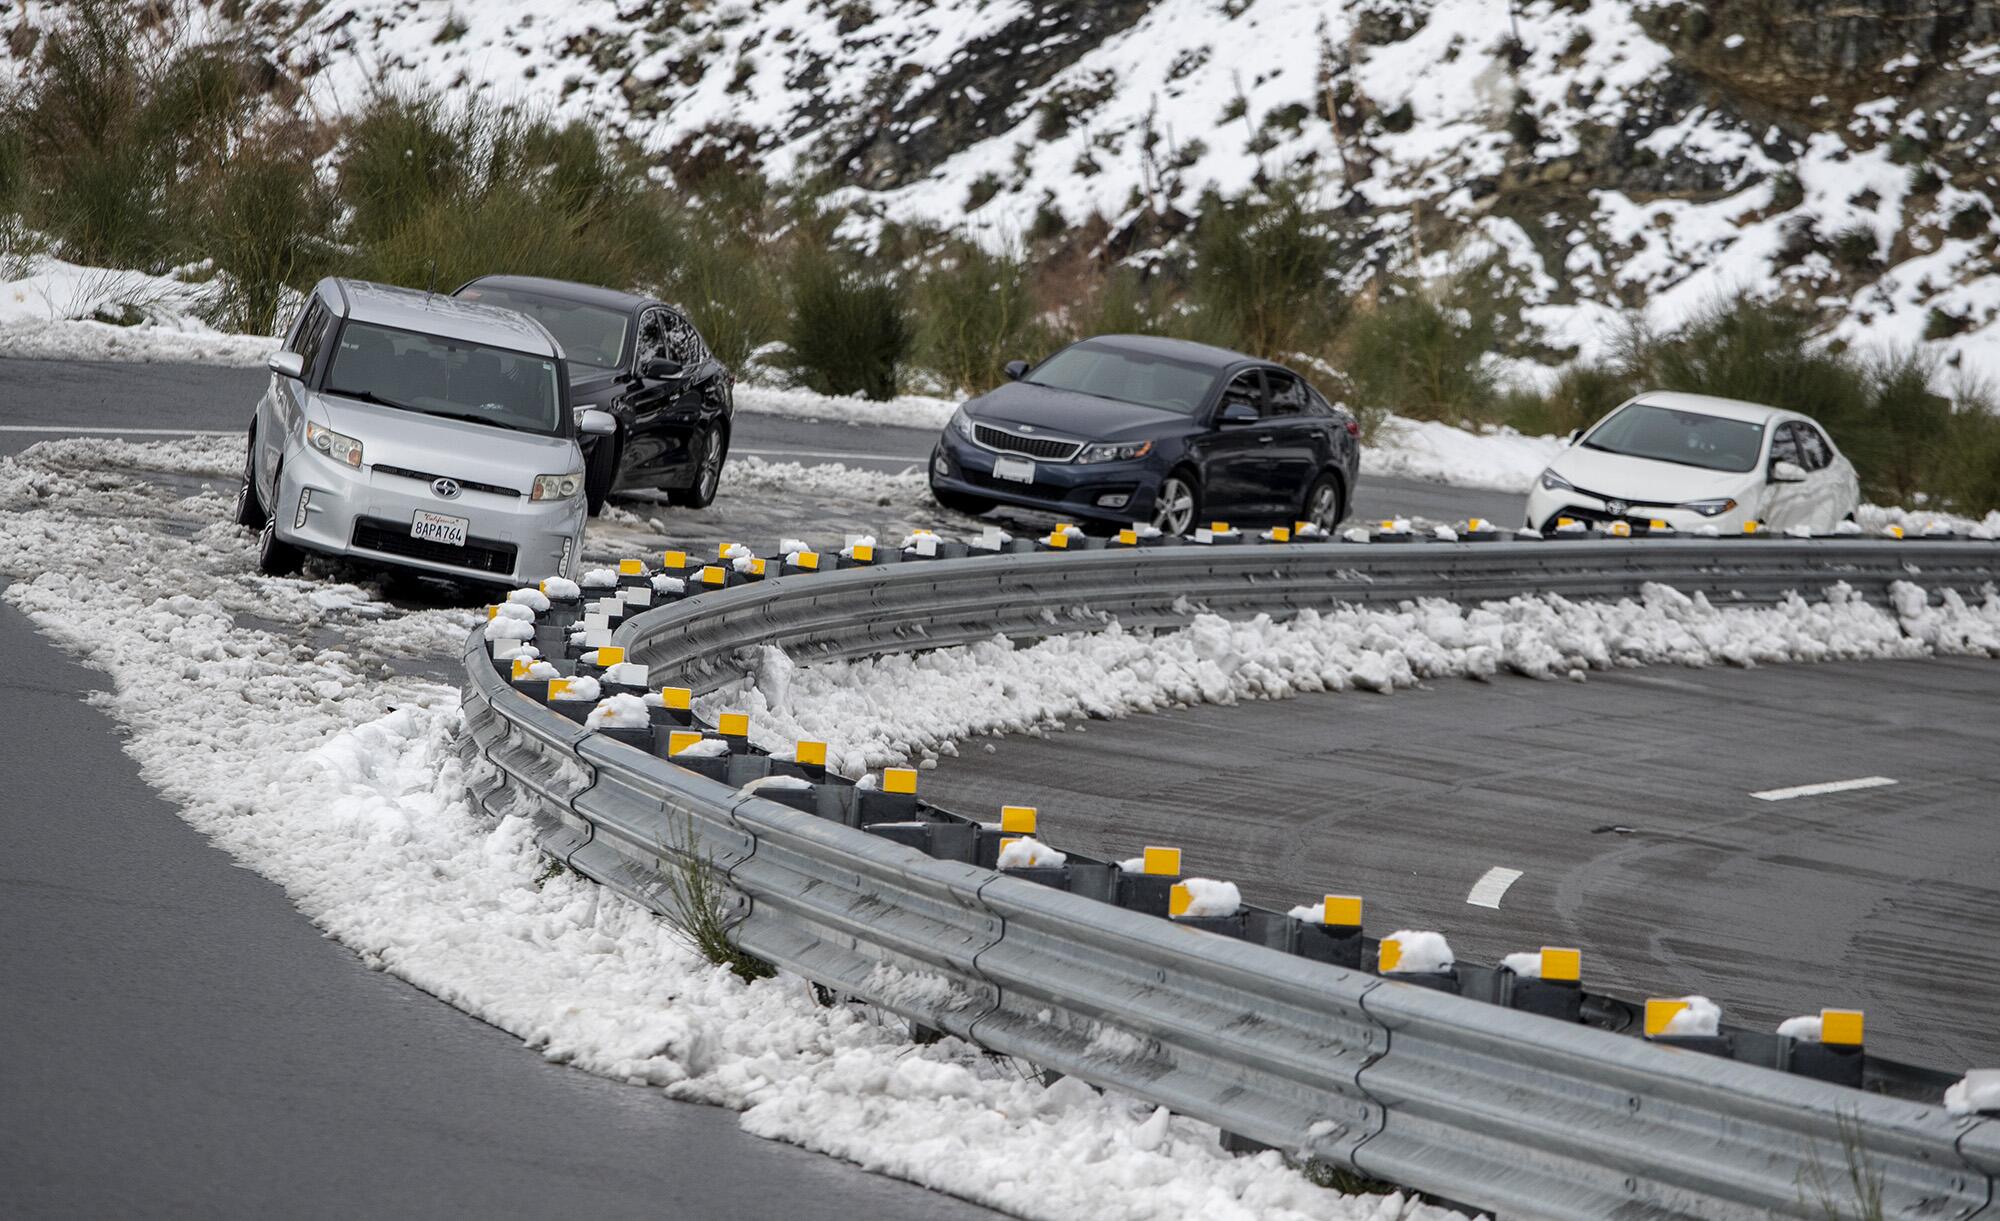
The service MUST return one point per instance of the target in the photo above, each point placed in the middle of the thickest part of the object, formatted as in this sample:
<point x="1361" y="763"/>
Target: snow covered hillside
<point x="1602" y="154"/>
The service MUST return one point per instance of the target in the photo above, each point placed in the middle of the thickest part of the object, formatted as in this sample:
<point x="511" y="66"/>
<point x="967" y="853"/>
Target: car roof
<point x="1178" y="349"/>
<point x="437" y="314"/>
<point x="1708" y="404"/>
<point x="563" y="290"/>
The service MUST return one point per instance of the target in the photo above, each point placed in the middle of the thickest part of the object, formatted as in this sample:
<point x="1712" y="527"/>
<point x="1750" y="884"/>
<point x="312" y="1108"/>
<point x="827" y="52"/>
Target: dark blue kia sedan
<point x="1130" y="428"/>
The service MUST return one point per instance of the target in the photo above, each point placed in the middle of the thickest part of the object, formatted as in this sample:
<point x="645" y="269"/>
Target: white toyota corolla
<point x="1692" y="461"/>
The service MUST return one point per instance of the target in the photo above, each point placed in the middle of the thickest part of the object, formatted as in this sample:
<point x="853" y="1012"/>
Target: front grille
<point x="1047" y="448"/>
<point x="389" y="538"/>
<point x="1631" y="504"/>
<point x="1598" y="517"/>
<point x="427" y="478"/>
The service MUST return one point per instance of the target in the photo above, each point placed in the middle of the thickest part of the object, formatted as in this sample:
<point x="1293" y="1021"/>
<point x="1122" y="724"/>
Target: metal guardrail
<point x="1471" y="1101"/>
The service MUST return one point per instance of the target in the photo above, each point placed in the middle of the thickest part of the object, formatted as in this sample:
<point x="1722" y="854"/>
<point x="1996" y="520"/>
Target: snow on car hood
<point x="1645" y="479"/>
<point x="437" y="446"/>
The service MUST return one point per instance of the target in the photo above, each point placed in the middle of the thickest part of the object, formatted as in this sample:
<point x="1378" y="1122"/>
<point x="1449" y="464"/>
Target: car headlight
<point x="1552" y="482"/>
<point x="1710" y="508"/>
<point x="556" y="487"/>
<point x="1110" y="451"/>
<point x="962" y="423"/>
<point x="334" y="445"/>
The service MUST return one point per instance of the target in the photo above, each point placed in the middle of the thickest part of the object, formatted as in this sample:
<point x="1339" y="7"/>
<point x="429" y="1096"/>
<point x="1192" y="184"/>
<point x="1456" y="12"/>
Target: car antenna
<point x="430" y="288"/>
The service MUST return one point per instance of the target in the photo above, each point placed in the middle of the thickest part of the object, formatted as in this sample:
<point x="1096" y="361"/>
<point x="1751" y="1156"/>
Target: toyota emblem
<point x="1616" y="507"/>
<point x="445" y="488"/>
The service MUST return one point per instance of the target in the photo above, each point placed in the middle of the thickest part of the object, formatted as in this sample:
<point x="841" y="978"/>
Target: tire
<point x="959" y="502"/>
<point x="708" y="475"/>
<point x="1177" y="505"/>
<point x="1325" y="503"/>
<point x="600" y="472"/>
<point x="275" y="556"/>
<point x="249" y="510"/>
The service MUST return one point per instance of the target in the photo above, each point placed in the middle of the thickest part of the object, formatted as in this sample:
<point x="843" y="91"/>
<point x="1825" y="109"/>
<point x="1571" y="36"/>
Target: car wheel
<point x="249" y="510"/>
<point x="958" y="502"/>
<point x="708" y="476"/>
<point x="600" y="473"/>
<point x="1177" y="503"/>
<point x="1325" y="504"/>
<point x="275" y="556"/>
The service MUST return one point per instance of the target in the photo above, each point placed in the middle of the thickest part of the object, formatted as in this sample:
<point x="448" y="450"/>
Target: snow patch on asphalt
<point x="265" y="709"/>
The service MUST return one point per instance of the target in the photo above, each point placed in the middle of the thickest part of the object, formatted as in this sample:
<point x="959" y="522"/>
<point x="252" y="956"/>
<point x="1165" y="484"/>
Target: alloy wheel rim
<point x="711" y="463"/>
<point x="1322" y="509"/>
<point x="1176" y="508"/>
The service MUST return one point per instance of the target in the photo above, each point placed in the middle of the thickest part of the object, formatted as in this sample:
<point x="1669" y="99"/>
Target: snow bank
<point x="342" y="781"/>
<point x="1209" y="898"/>
<point x="1977" y="1091"/>
<point x="1027" y="852"/>
<point x="1423" y="953"/>
<point x="534" y="599"/>
<point x="904" y="411"/>
<point x="1500" y="460"/>
<point x="619" y="712"/>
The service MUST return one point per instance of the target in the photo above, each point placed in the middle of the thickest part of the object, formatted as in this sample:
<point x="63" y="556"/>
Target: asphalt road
<point x="180" y="1042"/>
<point x="40" y="399"/>
<point x="1626" y="803"/>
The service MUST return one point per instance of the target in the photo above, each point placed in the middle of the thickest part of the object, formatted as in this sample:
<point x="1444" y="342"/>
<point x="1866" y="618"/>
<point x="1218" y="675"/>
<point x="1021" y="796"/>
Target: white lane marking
<point x="72" y="429"/>
<point x="1815" y="790"/>
<point x="1487" y="890"/>
<point x="826" y="455"/>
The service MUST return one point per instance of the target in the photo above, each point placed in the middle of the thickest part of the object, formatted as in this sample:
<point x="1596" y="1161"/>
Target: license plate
<point x="437" y="528"/>
<point x="1014" y="470"/>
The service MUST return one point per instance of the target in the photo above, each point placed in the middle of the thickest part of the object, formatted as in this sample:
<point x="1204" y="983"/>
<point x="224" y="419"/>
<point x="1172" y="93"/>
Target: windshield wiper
<point x="479" y="419"/>
<point x="369" y="396"/>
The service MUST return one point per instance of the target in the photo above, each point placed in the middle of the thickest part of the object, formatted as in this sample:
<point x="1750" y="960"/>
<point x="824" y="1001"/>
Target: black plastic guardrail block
<point x="1229" y="926"/>
<point x="640" y="737"/>
<point x="953" y="840"/>
<point x="1436" y="981"/>
<point x="575" y="710"/>
<point x="744" y="768"/>
<point x="948" y="841"/>
<point x="671" y="718"/>
<point x="536" y="689"/>
<point x="1145" y="892"/>
<point x="1480" y="536"/>
<point x="910" y="834"/>
<point x="1823" y="1061"/>
<point x="839" y="803"/>
<point x="1331" y="943"/>
<point x="877" y="806"/>
<point x="1707" y="1044"/>
<point x="804" y="800"/>
<point x="1056" y="876"/>
<point x="1561" y="999"/>
<point x="610" y="689"/>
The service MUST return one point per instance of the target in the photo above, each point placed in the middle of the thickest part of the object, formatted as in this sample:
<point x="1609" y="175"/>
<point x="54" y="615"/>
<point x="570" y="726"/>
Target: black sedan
<point x="1128" y="428"/>
<point x="642" y="361"/>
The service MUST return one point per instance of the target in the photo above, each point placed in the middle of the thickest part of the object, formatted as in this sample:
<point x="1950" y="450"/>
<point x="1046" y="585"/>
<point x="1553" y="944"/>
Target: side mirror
<point x="286" y="364"/>
<point x="1015" y="370"/>
<point x="595" y="423"/>
<point x="1576" y="436"/>
<point x="660" y="369"/>
<point x="1787" y="472"/>
<point x="1236" y="411"/>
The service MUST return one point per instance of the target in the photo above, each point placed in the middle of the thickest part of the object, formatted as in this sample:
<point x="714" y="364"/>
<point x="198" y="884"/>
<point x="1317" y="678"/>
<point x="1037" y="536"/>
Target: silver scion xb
<point x="407" y="428"/>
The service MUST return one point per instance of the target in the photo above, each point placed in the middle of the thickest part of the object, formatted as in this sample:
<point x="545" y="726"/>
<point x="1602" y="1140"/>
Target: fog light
<point x="939" y="464"/>
<point x="1113" y="500"/>
<point x="305" y="498"/>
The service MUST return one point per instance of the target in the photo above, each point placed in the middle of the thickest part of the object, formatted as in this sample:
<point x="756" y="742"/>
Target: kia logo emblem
<point x="446" y="488"/>
<point x="1027" y="428"/>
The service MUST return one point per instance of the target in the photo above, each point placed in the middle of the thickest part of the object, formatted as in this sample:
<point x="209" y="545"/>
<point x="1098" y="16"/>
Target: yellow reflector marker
<point x="1749" y="527"/>
<point x="1280" y="535"/>
<point x="1476" y="526"/>
<point x="810" y="753"/>
<point x="631" y="568"/>
<point x="1391" y="954"/>
<point x="734" y="724"/>
<point x="1179" y="899"/>
<point x="1388" y="525"/>
<point x="680" y="739"/>
<point x="808" y="559"/>
<point x="609" y="655"/>
<point x="1163" y="861"/>
<point x="722" y="549"/>
<point x="674" y="559"/>
<point x="899" y="780"/>
<point x="1657" y="524"/>
<point x="1128" y="538"/>
<point x="1841" y="1027"/>
<point x="1564" y="521"/>
<point x="757" y="567"/>
<point x="1659" y="1012"/>
<point x="1894" y="532"/>
<point x="863" y="553"/>
<point x="1062" y="527"/>
<point x="675" y="697"/>
<point x="1561" y="963"/>
<point x="558" y="686"/>
<point x="1219" y="527"/>
<point x="1620" y="529"/>
<point x="1019" y="820"/>
<point x="1299" y="527"/>
<point x="492" y="612"/>
<point x="542" y="585"/>
<point x="1059" y="539"/>
<point x="1343" y="910"/>
<point x="712" y="575"/>
<point x="521" y="665"/>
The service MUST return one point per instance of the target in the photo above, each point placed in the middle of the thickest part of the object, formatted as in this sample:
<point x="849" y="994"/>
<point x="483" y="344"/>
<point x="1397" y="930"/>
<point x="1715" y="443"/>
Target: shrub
<point x="849" y="332"/>
<point x="1415" y="356"/>
<point x="1897" y="441"/>
<point x="263" y="217"/>
<point x="1968" y="476"/>
<point x="406" y="154"/>
<point x="1265" y="273"/>
<point x="1582" y="394"/>
<point x="976" y="313"/>
<point x="1759" y="351"/>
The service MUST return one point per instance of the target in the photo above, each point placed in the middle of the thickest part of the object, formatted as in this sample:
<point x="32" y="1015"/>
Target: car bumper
<point x="1097" y="491"/>
<point x="366" y="515"/>
<point x="1545" y="507"/>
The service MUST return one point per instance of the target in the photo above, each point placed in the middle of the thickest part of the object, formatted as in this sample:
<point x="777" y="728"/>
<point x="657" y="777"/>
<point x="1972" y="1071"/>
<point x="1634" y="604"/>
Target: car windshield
<point x="590" y="334"/>
<point x="446" y="377"/>
<point x="1129" y="377"/>
<point x="1688" y="438"/>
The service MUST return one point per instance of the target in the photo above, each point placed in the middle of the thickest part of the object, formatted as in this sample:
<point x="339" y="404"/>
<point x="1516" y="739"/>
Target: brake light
<point x="1353" y="429"/>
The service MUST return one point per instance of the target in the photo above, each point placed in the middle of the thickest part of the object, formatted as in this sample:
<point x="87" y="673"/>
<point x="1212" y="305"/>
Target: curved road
<point x="1626" y="803"/>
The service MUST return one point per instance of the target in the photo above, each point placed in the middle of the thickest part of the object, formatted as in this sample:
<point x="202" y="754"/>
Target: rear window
<point x="430" y="375"/>
<point x="1129" y="377"/>
<point x="591" y="335"/>
<point x="1687" y="438"/>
